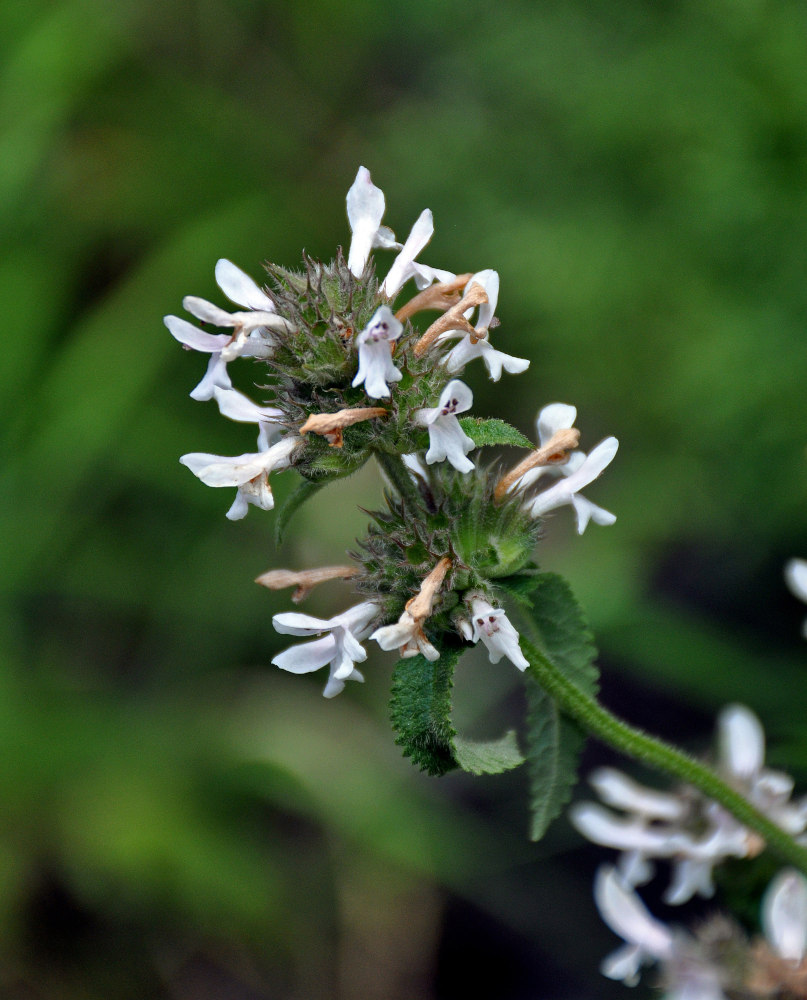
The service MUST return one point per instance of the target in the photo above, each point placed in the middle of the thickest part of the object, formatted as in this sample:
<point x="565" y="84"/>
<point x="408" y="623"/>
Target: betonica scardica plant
<point x="353" y="373"/>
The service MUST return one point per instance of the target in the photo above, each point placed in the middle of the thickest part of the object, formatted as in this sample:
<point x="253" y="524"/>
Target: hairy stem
<point x="598" y="721"/>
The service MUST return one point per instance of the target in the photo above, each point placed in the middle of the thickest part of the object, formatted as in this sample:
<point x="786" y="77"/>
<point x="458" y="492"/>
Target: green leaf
<point x="521" y="585"/>
<point x="493" y="757"/>
<point x="489" y="432"/>
<point x="420" y="709"/>
<point x="560" y="633"/>
<point x="302" y="492"/>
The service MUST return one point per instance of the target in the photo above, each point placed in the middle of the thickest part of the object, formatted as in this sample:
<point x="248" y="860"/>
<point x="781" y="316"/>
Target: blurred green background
<point x="178" y="819"/>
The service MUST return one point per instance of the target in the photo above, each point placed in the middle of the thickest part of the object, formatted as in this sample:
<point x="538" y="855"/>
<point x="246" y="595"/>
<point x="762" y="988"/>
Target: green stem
<point x="400" y="477"/>
<point x="589" y="714"/>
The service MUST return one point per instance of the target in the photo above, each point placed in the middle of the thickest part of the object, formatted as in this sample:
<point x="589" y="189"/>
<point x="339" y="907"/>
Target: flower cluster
<point x="716" y="960"/>
<point x="351" y="379"/>
<point x="693" y="834"/>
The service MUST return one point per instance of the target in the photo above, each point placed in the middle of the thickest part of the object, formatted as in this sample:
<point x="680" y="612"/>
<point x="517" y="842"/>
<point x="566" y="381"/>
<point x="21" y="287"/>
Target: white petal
<point x="293" y="623"/>
<point x="206" y="311"/>
<point x="796" y="577"/>
<point x="396" y="635"/>
<point x="220" y="470"/>
<point x="553" y="418"/>
<point x="495" y="361"/>
<point x="690" y="878"/>
<point x="603" y="827"/>
<point x="628" y="917"/>
<point x="236" y="406"/>
<point x="336" y="685"/>
<point x="240" y="288"/>
<point x="587" y="511"/>
<point x="623" y="964"/>
<point x="618" y="790"/>
<point x="561" y="493"/>
<point x="190" y="335"/>
<point x="383" y="327"/>
<point x="402" y="267"/>
<point x="365" y="209"/>
<point x="239" y="507"/>
<point x="215" y="376"/>
<point x="306" y="657"/>
<point x="357" y="618"/>
<point x="456" y="396"/>
<point x="741" y="741"/>
<point x="488" y="280"/>
<point x="784" y="915"/>
<point x="376" y="369"/>
<point x="447" y="440"/>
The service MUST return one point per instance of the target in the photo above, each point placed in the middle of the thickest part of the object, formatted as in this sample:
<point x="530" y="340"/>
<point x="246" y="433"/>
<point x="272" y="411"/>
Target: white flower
<point x="493" y="627"/>
<point x="796" y="577"/>
<point x="687" y="972"/>
<point x="447" y="440"/>
<point x="365" y="209"/>
<point x="248" y="472"/>
<point x="405" y="266"/>
<point x="236" y="406"/>
<point x="375" y="354"/>
<point x="340" y="648"/>
<point x="553" y="418"/>
<point x="567" y="490"/>
<point x="479" y="346"/>
<point x="407" y="636"/>
<point x="784" y="915"/>
<point x="741" y="743"/>
<point x="250" y="336"/>
<point x="647" y="940"/>
<point x="657" y="825"/>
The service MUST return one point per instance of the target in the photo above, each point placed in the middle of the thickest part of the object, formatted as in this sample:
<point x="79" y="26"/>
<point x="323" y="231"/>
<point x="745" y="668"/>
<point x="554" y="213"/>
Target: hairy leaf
<point x="489" y="432"/>
<point x="420" y="709"/>
<point x="560" y="633"/>
<point x="490" y="757"/>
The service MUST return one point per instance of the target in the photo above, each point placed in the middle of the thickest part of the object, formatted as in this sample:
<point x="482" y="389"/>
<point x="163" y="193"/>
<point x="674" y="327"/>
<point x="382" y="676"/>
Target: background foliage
<point x="178" y="818"/>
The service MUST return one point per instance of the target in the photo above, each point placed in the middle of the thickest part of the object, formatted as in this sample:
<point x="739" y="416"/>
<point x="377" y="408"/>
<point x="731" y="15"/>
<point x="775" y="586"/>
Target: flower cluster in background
<point x="694" y="834"/>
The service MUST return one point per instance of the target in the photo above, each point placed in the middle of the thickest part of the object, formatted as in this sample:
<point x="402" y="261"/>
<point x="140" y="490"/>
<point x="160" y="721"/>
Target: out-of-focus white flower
<point x="447" y="440"/>
<point x="687" y="972"/>
<point x="248" y="472"/>
<point x="690" y="831"/>
<point x="796" y="577"/>
<point x="646" y="939"/>
<point x="784" y="915"/>
<point x="365" y="210"/>
<point x="375" y="353"/>
<point x="567" y="490"/>
<point x="477" y="345"/>
<point x="741" y="746"/>
<point x="497" y="633"/>
<point x="251" y="335"/>
<point x="341" y="647"/>
<point x="236" y="406"/>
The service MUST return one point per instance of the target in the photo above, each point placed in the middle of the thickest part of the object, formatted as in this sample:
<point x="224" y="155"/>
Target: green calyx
<point x="456" y="518"/>
<point x="313" y="365"/>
